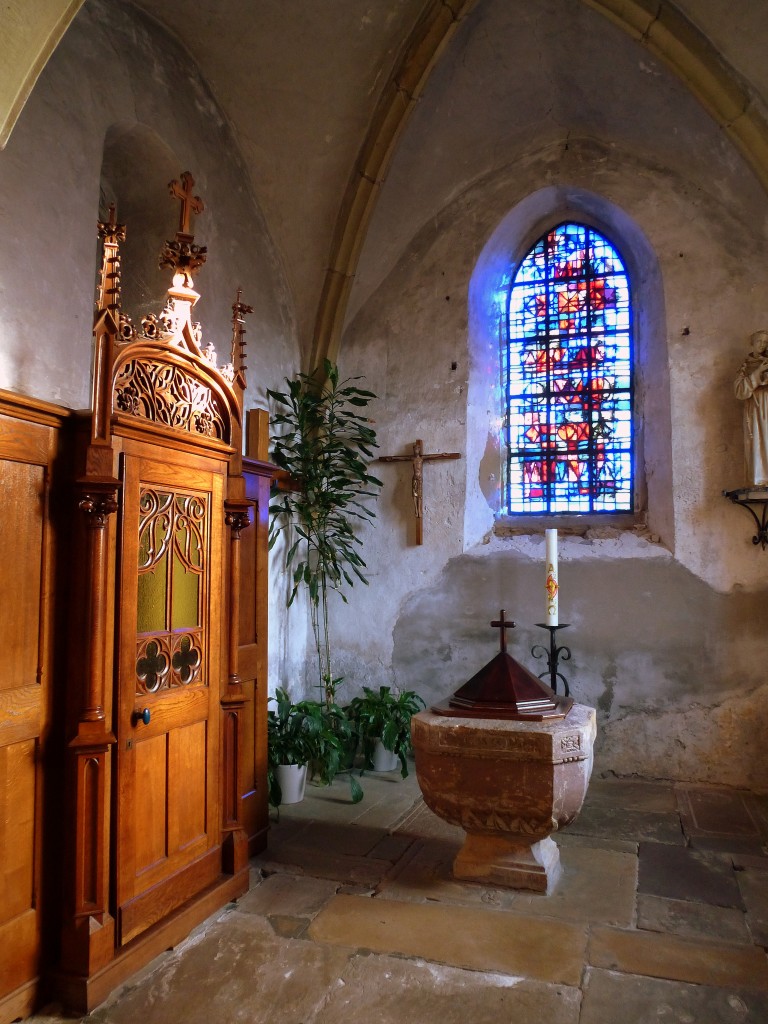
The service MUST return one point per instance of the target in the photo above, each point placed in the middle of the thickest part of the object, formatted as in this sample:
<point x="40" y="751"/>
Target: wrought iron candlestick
<point x="553" y="656"/>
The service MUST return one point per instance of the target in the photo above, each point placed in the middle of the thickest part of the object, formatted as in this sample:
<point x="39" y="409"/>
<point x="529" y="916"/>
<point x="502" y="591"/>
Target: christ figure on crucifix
<point x="418" y="479"/>
<point x="417" y="460"/>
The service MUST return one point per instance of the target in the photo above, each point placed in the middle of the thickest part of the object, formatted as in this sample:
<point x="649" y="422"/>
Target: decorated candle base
<point x="554" y="655"/>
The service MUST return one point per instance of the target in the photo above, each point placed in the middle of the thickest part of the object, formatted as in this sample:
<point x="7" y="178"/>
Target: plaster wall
<point x="668" y="621"/>
<point x="117" y="75"/>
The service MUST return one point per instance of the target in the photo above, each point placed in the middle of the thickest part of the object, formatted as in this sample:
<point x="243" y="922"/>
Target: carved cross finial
<point x="502" y="625"/>
<point x="190" y="203"/>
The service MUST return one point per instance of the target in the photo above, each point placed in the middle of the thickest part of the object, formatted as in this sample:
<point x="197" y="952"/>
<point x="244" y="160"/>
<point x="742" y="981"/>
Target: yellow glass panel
<point x="185" y="602"/>
<point x="151" y="599"/>
<point x="153" y="551"/>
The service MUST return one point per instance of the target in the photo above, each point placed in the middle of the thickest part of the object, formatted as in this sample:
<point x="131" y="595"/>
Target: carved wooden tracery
<point x="162" y="374"/>
<point x="169" y="395"/>
<point x="173" y="530"/>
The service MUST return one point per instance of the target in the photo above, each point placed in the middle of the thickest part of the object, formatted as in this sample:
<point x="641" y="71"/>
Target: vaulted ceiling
<point x="318" y="93"/>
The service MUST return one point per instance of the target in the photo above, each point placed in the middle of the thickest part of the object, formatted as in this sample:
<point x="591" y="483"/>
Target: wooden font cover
<point x="504" y="689"/>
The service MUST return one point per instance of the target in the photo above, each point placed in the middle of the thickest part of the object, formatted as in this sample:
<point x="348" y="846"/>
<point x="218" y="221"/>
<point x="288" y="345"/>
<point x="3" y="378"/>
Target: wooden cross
<point x="417" y="490"/>
<point x="502" y="625"/>
<point x="189" y="203"/>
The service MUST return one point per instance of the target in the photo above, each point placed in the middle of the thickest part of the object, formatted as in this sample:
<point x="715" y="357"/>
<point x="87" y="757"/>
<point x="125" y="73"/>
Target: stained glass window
<point x="567" y="369"/>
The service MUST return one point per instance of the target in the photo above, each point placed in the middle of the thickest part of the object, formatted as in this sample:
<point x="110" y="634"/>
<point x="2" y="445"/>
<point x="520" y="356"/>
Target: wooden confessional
<point x="133" y="681"/>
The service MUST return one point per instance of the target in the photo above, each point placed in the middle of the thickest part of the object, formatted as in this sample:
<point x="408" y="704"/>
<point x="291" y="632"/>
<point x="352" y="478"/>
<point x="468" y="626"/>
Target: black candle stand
<point x="554" y="655"/>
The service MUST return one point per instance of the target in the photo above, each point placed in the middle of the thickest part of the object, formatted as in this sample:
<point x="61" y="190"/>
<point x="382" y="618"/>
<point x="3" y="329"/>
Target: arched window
<point x="567" y="371"/>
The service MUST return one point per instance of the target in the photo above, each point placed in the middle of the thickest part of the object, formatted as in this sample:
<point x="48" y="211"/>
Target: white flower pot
<point x="384" y="760"/>
<point x="292" y="779"/>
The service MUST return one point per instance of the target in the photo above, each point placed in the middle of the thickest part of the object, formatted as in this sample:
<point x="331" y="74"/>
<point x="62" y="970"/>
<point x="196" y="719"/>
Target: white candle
<point x="552" y="587"/>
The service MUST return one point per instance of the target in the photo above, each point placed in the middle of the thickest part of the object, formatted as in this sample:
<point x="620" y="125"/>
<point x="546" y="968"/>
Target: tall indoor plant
<point x="322" y="438"/>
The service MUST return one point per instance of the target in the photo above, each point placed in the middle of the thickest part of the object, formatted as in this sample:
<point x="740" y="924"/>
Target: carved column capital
<point x="237" y="516"/>
<point x="98" y="501"/>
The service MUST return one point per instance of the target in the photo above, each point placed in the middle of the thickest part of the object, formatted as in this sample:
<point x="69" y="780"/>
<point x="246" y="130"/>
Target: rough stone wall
<point x="114" y="72"/>
<point x="668" y="636"/>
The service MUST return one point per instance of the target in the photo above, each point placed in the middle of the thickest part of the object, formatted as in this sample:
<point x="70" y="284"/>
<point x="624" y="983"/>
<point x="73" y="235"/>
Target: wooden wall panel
<point x="21" y="938"/>
<point x="22" y="501"/>
<point x="29" y="447"/>
<point x="248" y="602"/>
<point x="187" y="786"/>
<point x="17" y="828"/>
<point x="151" y="825"/>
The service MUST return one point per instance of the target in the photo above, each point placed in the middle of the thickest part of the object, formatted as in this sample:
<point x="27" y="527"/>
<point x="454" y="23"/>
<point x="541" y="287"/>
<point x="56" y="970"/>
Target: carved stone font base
<point x="514" y="865"/>
<point x="509" y="785"/>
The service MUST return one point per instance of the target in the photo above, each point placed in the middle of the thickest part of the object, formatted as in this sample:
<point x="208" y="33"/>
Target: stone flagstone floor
<point x="661" y="917"/>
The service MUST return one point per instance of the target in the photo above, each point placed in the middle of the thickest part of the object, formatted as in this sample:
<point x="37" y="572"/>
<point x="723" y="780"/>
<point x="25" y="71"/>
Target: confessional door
<point x="169" y="671"/>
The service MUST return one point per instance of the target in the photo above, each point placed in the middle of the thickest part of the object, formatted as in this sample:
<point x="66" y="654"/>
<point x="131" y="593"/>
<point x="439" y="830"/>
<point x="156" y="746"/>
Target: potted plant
<point x="324" y="443"/>
<point x="384" y="724"/>
<point x="329" y="733"/>
<point x="287" y="748"/>
<point x="307" y="736"/>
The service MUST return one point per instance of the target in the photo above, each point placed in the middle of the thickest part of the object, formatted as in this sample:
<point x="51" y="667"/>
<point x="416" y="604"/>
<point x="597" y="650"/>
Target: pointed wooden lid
<point x="505" y="689"/>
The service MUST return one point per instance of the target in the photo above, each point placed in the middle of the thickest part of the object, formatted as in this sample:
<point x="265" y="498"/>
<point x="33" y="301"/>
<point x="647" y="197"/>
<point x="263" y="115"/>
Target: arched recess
<point x="135" y="166"/>
<point x="489" y="285"/>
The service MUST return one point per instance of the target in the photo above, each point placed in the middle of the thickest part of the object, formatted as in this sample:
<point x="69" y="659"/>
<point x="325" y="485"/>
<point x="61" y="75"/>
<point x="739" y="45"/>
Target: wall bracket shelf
<point x="755" y="501"/>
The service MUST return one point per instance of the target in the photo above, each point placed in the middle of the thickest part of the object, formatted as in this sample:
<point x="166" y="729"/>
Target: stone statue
<point x="751" y="387"/>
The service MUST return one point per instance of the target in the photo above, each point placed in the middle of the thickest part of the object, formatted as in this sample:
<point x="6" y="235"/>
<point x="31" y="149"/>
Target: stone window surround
<point x="513" y="237"/>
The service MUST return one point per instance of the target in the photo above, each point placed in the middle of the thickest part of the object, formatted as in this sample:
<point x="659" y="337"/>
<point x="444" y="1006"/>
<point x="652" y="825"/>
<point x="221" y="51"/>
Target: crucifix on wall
<point x="417" y="459"/>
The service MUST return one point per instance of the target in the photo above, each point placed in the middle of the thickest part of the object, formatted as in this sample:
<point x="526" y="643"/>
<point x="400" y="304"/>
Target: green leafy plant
<point x="330" y="732"/>
<point x="323" y="440"/>
<point x="309" y="732"/>
<point x="387" y="717"/>
<point x="287" y="741"/>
